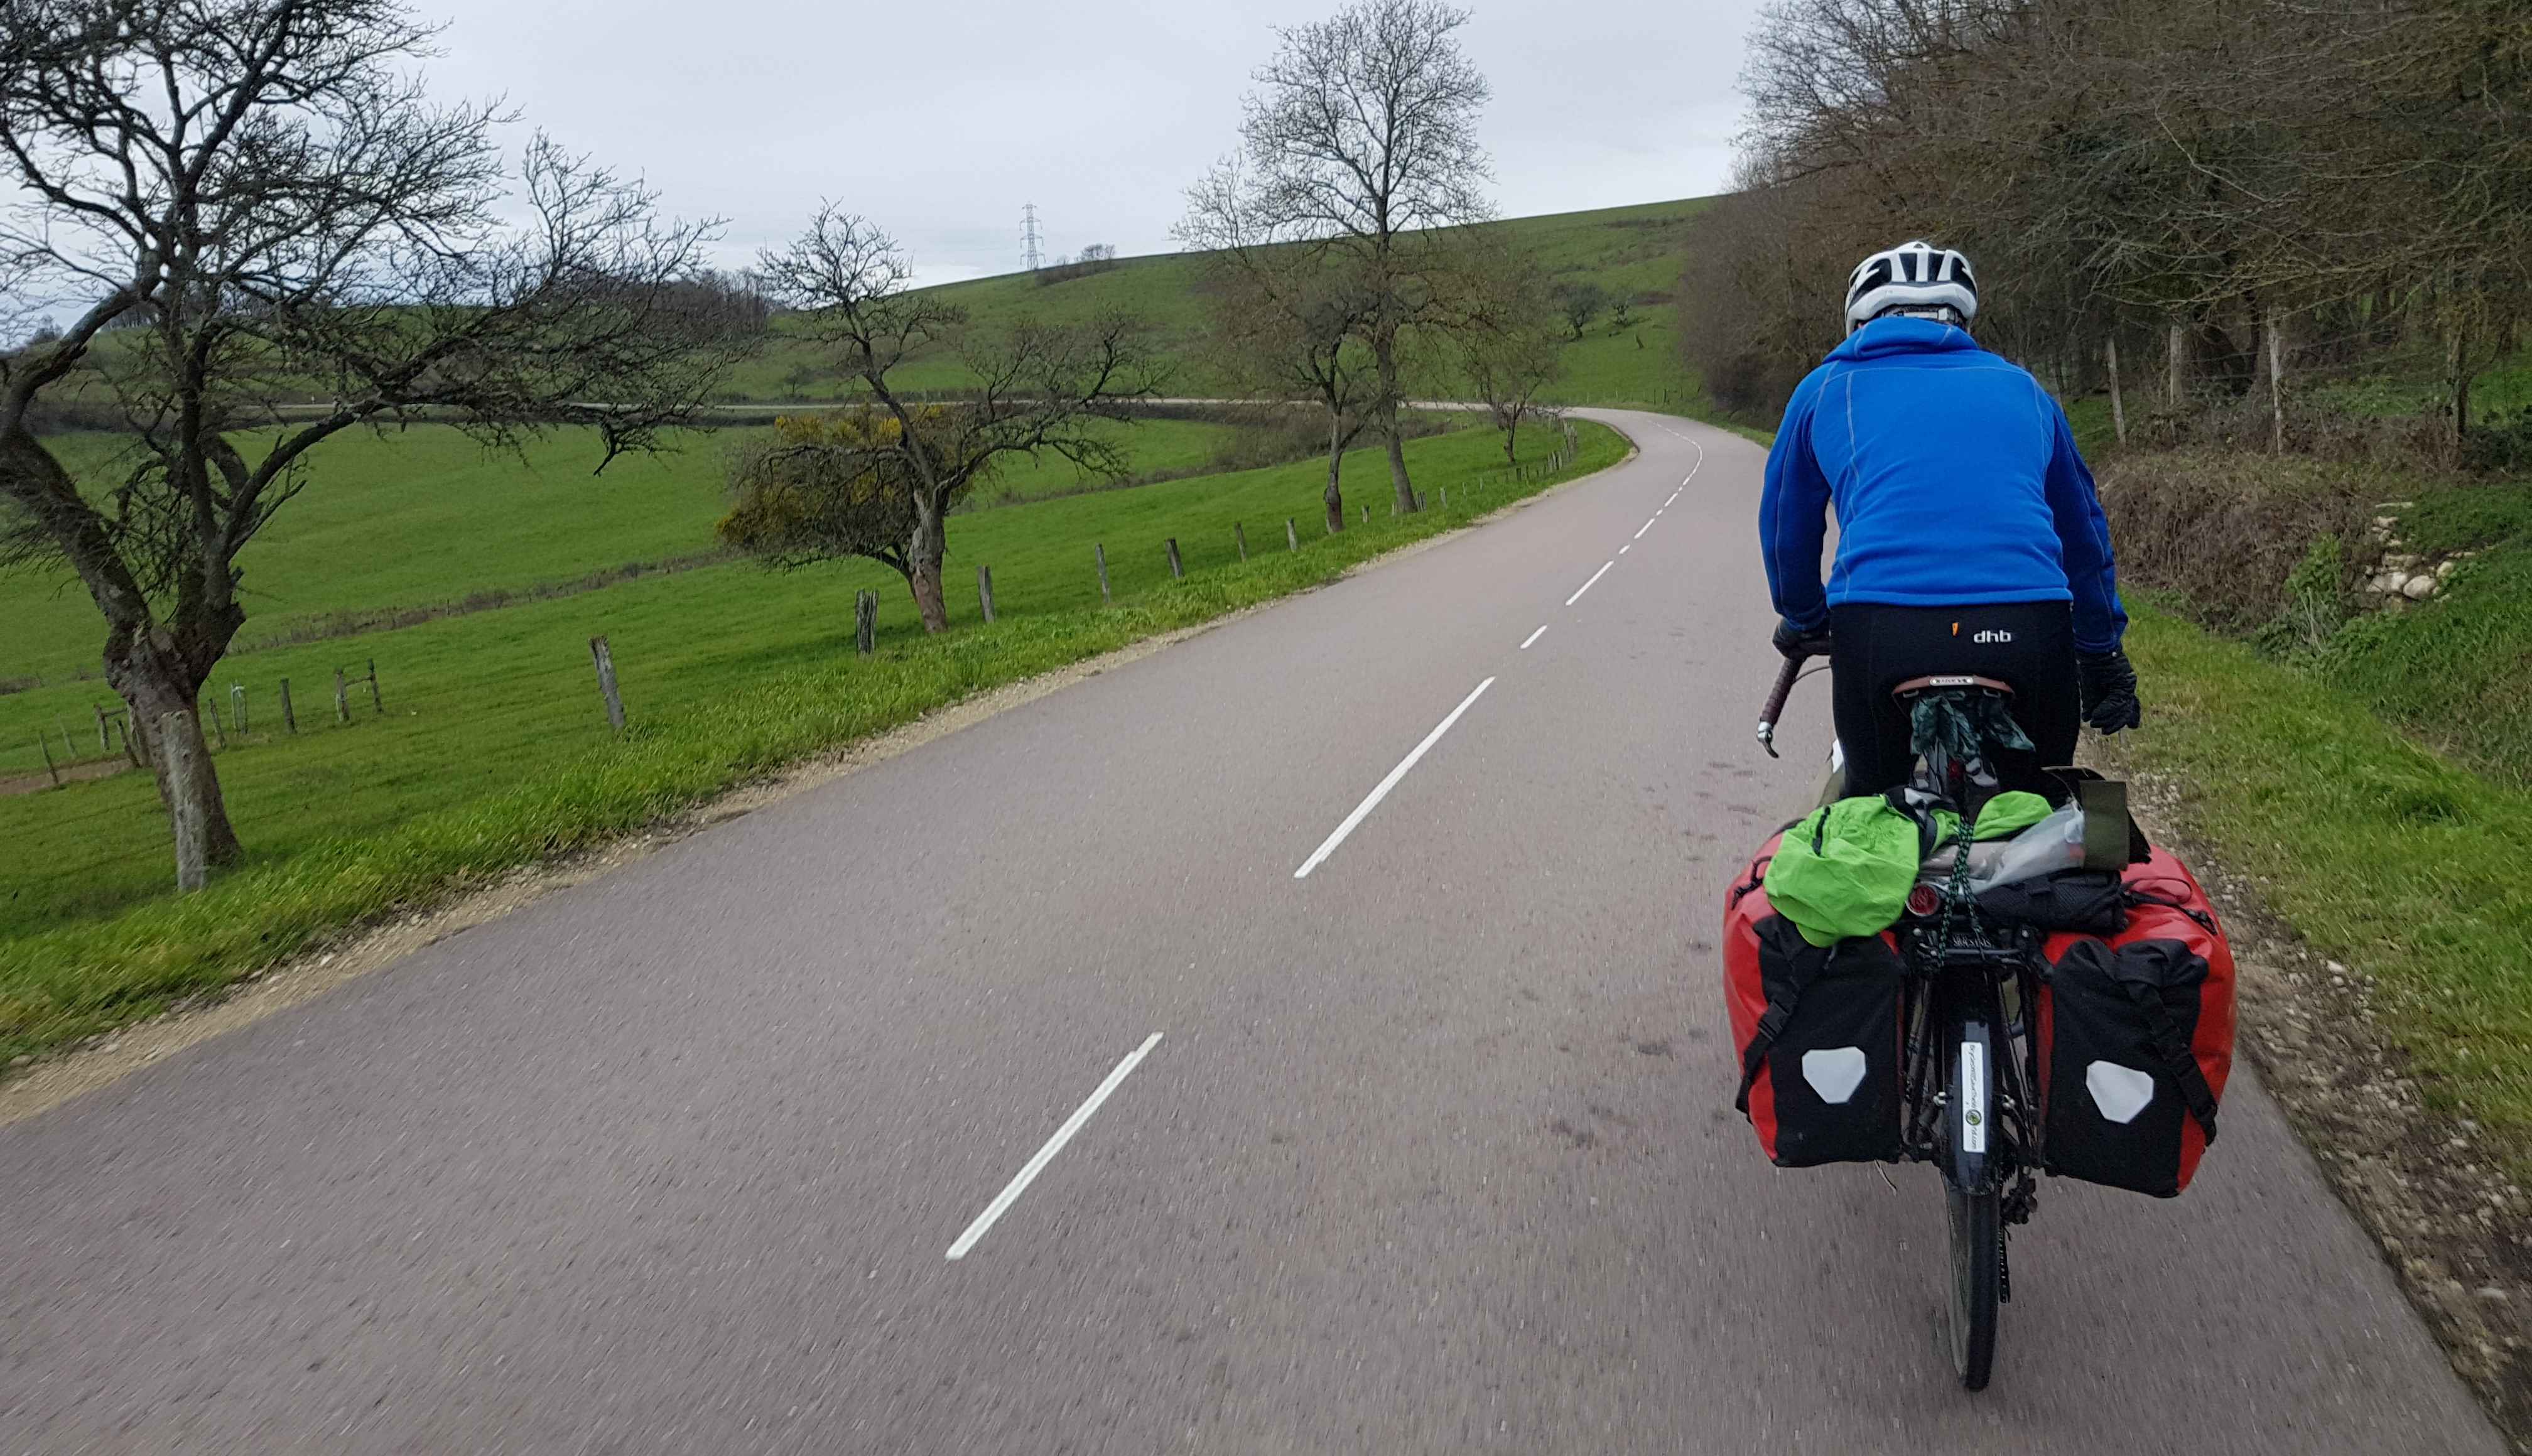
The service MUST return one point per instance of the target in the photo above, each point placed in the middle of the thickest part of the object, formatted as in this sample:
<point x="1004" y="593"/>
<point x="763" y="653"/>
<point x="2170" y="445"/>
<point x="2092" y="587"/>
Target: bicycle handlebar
<point x="1774" y="712"/>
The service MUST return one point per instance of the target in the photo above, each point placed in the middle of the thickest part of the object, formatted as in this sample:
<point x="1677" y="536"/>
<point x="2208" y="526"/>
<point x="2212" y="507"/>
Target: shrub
<point x="2225" y="532"/>
<point x="2316" y="603"/>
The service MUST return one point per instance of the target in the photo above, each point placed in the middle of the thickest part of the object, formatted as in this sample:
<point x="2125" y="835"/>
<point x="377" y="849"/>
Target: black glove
<point x="1797" y="644"/>
<point x="2107" y="687"/>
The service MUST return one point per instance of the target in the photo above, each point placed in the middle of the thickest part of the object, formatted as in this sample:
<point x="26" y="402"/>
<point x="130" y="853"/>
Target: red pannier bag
<point x="2135" y="1037"/>
<point x="1817" y="1030"/>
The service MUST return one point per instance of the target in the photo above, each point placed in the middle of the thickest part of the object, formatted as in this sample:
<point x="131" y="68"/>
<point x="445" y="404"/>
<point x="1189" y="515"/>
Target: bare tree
<point x="1289" y="321"/>
<point x="1511" y="343"/>
<point x="252" y="203"/>
<point x="1299" y="335"/>
<point x="2215" y="173"/>
<point x="1036" y="389"/>
<point x="1362" y="149"/>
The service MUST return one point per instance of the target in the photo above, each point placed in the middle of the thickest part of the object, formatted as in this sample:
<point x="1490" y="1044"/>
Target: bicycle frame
<point x="1967" y="1076"/>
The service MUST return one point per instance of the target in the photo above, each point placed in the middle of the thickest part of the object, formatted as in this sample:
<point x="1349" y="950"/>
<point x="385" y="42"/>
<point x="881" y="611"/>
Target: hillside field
<point x="1632" y="250"/>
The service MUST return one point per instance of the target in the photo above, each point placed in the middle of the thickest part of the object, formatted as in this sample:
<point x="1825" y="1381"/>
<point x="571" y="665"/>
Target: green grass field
<point x="424" y="516"/>
<point x="494" y="750"/>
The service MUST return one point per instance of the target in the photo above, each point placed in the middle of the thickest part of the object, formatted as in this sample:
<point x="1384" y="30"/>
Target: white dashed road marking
<point x="1587" y="586"/>
<point x="1011" y="1191"/>
<point x="1372" y="801"/>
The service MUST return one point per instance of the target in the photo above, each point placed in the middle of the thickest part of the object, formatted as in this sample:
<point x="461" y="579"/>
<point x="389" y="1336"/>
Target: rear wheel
<point x="1973" y="1201"/>
<point x="1977" y="1263"/>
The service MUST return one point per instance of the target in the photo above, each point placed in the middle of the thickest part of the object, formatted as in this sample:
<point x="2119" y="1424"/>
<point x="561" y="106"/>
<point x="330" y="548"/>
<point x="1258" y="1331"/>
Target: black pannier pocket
<point x="2088" y="902"/>
<point x="2123" y="1087"/>
<point x="1829" y="1047"/>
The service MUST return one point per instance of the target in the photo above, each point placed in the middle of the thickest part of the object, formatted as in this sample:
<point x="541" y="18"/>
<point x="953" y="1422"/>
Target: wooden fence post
<point x="45" y="745"/>
<point x="104" y="740"/>
<point x="69" y="754"/>
<point x="176" y="740"/>
<point x="289" y="719"/>
<point x="1446" y="496"/>
<point x="606" y="682"/>
<point x="1100" y="552"/>
<point x="1292" y="537"/>
<point x="1366" y="515"/>
<point x="2118" y="405"/>
<point x="1241" y="535"/>
<point x="237" y="706"/>
<point x="220" y="724"/>
<point x="374" y="705"/>
<point x="342" y="698"/>
<point x="984" y="589"/>
<point x="1176" y="568"/>
<point x="865" y="622"/>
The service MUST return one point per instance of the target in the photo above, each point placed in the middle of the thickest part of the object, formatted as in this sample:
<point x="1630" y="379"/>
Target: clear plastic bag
<point x="2054" y="843"/>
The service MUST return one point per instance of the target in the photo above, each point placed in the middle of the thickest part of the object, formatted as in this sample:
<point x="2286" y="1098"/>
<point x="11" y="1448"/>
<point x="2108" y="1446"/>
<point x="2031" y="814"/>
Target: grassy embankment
<point x="494" y="752"/>
<point x="2378" y="784"/>
<point x="2382" y="787"/>
<point x="2381" y="852"/>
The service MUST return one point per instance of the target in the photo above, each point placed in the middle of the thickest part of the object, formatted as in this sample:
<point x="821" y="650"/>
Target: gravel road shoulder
<point x="2453" y="1227"/>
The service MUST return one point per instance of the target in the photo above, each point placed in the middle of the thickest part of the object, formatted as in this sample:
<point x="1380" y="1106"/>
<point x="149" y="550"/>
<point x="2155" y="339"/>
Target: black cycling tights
<point x="2028" y="644"/>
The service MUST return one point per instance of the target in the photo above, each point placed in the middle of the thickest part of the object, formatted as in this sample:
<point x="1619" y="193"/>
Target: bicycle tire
<point x="1977" y="1249"/>
<point x="1974" y="1205"/>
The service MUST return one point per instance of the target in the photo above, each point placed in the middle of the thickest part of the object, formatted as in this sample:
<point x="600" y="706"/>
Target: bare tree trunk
<point x="2177" y="367"/>
<point x="155" y="687"/>
<point x="2118" y="406"/>
<point x="923" y="575"/>
<point x="154" y="668"/>
<point x="1335" y="495"/>
<point x="2456" y="388"/>
<point x="180" y="738"/>
<point x="1385" y="354"/>
<point x="1511" y="434"/>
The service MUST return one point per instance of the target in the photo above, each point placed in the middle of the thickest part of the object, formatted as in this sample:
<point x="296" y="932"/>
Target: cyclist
<point x="1970" y="539"/>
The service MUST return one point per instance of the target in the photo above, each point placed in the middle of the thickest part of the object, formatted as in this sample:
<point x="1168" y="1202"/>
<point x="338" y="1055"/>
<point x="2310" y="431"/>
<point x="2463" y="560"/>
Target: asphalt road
<point x="1434" y="1152"/>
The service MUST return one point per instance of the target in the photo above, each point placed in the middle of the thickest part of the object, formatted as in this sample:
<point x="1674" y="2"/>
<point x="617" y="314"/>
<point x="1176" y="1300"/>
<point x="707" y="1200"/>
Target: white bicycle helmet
<point x="1914" y="275"/>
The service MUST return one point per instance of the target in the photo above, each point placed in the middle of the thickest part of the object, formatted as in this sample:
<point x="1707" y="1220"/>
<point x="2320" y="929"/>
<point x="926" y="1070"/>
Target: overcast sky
<point x="940" y="120"/>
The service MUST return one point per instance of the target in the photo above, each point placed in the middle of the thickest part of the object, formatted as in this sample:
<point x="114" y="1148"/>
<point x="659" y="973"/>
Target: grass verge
<point x="88" y="976"/>
<point x="2379" y="853"/>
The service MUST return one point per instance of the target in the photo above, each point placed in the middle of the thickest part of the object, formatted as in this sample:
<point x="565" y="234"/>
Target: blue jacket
<point x="1955" y="480"/>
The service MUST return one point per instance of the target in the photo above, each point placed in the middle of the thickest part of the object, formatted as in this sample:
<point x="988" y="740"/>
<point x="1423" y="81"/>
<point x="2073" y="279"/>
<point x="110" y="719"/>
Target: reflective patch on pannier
<point x="2121" y="1093"/>
<point x="1835" y="1073"/>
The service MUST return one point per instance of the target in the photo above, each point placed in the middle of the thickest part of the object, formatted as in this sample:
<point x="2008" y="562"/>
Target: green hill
<point x="1632" y="252"/>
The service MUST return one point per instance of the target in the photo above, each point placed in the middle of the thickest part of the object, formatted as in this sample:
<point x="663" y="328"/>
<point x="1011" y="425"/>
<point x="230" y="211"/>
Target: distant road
<point x="1428" y="1149"/>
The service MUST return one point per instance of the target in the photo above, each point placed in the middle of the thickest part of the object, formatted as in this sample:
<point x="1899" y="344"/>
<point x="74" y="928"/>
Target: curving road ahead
<point x="1428" y="1149"/>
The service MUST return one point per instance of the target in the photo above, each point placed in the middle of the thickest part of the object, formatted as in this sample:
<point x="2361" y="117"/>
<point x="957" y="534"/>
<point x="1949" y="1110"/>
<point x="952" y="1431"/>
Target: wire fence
<point x="1554" y="464"/>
